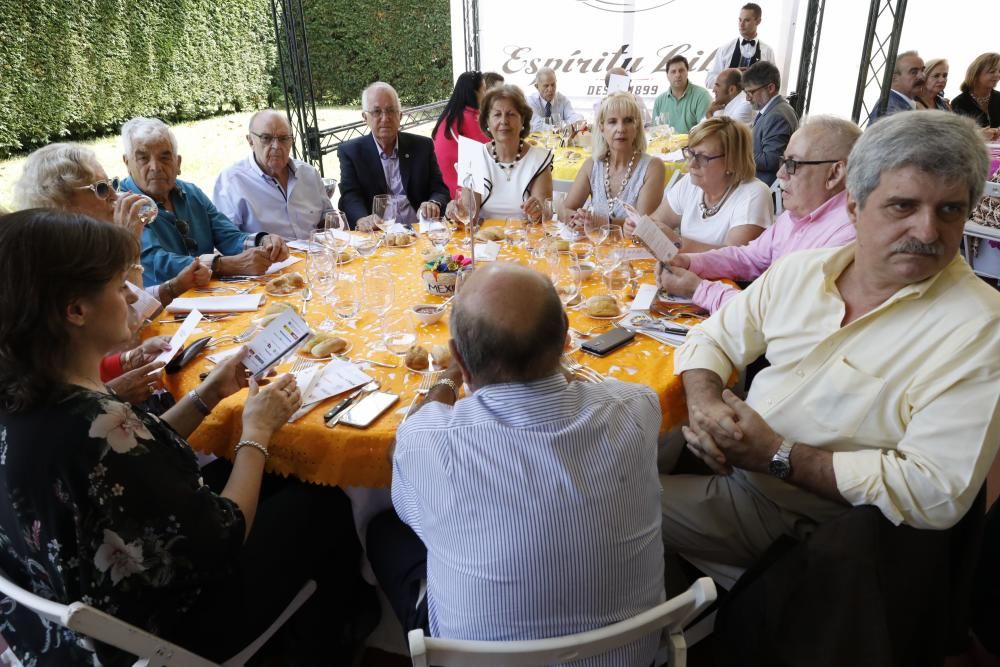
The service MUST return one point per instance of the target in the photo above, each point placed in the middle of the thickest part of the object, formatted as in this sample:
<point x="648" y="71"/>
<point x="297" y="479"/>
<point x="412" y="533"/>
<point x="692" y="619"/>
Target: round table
<point x="348" y="456"/>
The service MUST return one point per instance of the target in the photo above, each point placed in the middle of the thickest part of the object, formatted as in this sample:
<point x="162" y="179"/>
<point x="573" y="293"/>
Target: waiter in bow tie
<point x="744" y="51"/>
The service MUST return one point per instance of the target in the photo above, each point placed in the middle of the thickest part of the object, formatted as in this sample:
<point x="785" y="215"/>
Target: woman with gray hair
<point x="620" y="172"/>
<point x="69" y="178"/>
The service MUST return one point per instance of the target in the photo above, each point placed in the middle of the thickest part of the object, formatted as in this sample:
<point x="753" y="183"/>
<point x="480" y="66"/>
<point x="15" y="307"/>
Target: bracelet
<point x="251" y="443"/>
<point x="170" y="288"/>
<point x="199" y="402"/>
<point x="446" y="382"/>
<point x="125" y="359"/>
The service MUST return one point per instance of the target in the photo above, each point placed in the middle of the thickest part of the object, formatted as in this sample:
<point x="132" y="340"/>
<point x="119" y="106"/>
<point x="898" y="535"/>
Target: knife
<point x="342" y="404"/>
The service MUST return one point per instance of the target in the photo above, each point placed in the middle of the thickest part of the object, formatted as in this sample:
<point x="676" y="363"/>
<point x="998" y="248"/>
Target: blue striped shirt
<point x="539" y="505"/>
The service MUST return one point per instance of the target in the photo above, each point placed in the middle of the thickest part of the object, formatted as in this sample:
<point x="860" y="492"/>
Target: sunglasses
<point x="102" y="189"/>
<point x="185" y="229"/>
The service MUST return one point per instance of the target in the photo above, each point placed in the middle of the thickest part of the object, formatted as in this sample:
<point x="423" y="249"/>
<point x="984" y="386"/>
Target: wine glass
<point x="466" y="209"/>
<point x="367" y="243"/>
<point x="346" y="297"/>
<point x="607" y="256"/>
<point x="438" y="232"/>
<point x="379" y="291"/>
<point x="321" y="269"/>
<point x="597" y="227"/>
<point x="515" y="232"/>
<point x="551" y="255"/>
<point x="336" y="228"/>
<point x="567" y="279"/>
<point x="399" y="333"/>
<point x="330" y="187"/>
<point x="550" y="218"/>
<point x="384" y="210"/>
<point x="616" y="279"/>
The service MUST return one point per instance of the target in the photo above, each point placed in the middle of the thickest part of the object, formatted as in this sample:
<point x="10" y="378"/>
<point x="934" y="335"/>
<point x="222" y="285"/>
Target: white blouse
<point x="749" y="204"/>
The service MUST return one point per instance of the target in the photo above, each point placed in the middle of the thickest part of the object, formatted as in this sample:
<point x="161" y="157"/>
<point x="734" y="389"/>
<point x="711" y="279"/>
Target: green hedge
<point x="404" y="42"/>
<point x="79" y="67"/>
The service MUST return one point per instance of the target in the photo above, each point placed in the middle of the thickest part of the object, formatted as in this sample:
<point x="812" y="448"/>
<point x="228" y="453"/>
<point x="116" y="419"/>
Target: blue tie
<point x="548" y="109"/>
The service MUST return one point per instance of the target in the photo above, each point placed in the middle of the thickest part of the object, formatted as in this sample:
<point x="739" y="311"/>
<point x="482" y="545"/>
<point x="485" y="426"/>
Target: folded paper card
<point x="237" y="303"/>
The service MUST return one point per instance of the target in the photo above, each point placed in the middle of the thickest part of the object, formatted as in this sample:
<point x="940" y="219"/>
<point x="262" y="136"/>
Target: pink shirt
<point x="826" y="227"/>
<point x="446" y="146"/>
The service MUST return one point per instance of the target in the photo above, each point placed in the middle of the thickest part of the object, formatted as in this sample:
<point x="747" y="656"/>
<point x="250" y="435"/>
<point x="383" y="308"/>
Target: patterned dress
<point x="103" y="503"/>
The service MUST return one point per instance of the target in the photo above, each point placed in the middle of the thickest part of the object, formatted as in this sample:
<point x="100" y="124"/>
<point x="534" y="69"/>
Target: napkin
<point x="644" y="297"/>
<point x="487" y="252"/>
<point x="237" y="303"/>
<point x="278" y="266"/>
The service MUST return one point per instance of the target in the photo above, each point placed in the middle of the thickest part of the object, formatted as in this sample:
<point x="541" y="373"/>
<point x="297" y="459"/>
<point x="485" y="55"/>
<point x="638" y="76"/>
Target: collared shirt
<point x="684" y="113"/>
<point x="723" y="56"/>
<point x="539" y="507"/>
<point x="562" y="110"/>
<point x="164" y="253"/>
<point x="826" y="226"/>
<point x="405" y="215"/>
<point x="738" y="108"/>
<point x="256" y="202"/>
<point x="763" y="109"/>
<point x="907" y="397"/>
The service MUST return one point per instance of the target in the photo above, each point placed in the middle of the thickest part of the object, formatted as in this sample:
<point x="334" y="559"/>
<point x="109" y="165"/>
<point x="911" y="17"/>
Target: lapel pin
<point x="406" y="155"/>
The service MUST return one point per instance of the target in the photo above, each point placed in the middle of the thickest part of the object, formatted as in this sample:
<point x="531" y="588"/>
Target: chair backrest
<point x="674" y="177"/>
<point x="94" y="623"/>
<point x="779" y="206"/>
<point x="672" y="614"/>
<point x="992" y="189"/>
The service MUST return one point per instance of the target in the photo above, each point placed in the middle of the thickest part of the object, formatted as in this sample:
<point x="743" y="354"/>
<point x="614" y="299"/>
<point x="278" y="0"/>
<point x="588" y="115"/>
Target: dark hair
<point x="492" y="79"/>
<point x="505" y="92"/>
<point x="761" y="73"/>
<point x="462" y="97"/>
<point x="48" y="258"/>
<point x="753" y="7"/>
<point x="679" y="59"/>
<point x="493" y="353"/>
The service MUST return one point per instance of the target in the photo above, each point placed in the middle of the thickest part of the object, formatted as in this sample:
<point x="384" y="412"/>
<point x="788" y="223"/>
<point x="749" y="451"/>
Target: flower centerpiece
<point x="441" y="271"/>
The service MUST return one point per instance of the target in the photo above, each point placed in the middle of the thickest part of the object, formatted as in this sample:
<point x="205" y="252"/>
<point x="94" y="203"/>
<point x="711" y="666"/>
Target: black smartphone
<point x="606" y="342"/>
<point x="186" y="354"/>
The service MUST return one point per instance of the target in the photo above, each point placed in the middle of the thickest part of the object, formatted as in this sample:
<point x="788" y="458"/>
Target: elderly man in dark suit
<point x="774" y="121"/>
<point x="388" y="162"/>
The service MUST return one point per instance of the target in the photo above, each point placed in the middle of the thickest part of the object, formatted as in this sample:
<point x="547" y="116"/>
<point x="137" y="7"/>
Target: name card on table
<point x="237" y="303"/>
<point x="487" y="252"/>
<point x="277" y="340"/>
<point x="278" y="266"/>
<point x="644" y="297"/>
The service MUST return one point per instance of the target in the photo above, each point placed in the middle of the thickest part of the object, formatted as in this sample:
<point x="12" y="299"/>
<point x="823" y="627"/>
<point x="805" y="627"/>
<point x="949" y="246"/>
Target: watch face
<point x="780" y="469"/>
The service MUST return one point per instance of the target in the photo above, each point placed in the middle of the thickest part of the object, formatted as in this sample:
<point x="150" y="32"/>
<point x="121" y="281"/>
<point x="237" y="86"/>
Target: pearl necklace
<point x="607" y="180"/>
<point x="506" y="169"/>
<point x="708" y="211"/>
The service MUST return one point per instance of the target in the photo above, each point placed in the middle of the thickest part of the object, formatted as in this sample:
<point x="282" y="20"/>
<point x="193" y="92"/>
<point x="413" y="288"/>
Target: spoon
<point x="306" y="297"/>
<point x="444" y="304"/>
<point x="333" y="416"/>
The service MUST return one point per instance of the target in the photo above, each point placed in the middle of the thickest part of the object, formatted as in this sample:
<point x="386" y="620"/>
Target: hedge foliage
<point x="404" y="42"/>
<point x="78" y="67"/>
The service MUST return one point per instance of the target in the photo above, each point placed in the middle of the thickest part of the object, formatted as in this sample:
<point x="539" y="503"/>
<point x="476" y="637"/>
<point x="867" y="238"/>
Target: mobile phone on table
<point x="607" y="342"/>
<point x="368" y="409"/>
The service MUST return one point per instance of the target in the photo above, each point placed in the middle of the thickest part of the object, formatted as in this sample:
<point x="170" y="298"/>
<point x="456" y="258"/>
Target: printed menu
<point x="283" y="335"/>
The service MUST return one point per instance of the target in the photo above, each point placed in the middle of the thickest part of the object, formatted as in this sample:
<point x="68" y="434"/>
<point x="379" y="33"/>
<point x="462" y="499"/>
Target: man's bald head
<point x="266" y="117"/>
<point x="508" y="325"/>
<point x="727" y="85"/>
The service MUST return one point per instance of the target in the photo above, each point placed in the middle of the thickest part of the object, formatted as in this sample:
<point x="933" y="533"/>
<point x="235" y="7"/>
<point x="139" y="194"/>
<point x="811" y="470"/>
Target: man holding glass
<point x="269" y="191"/>
<point x="187" y="225"/>
<point x="389" y="162"/>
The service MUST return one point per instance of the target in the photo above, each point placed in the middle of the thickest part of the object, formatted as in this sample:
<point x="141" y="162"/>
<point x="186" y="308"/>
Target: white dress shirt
<point x="256" y="202"/>
<point x="724" y="54"/>
<point x="738" y="108"/>
<point x="539" y="504"/>
<point x="907" y="397"/>
<point x="562" y="110"/>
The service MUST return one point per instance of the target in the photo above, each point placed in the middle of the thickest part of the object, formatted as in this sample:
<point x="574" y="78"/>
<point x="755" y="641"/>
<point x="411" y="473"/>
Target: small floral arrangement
<point x="447" y="263"/>
<point x="440" y="272"/>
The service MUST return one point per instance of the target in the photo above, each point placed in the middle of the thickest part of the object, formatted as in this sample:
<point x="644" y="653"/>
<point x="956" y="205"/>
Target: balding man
<point x="813" y="175"/>
<point x="729" y="98"/>
<point x="547" y="104"/>
<point x="269" y="191"/>
<point x="389" y="162"/>
<point x="908" y="83"/>
<point x="530" y="504"/>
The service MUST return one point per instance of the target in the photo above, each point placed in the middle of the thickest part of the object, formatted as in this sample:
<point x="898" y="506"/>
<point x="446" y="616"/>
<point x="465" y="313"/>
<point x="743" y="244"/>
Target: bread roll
<point x="333" y="345"/>
<point x="417" y="358"/>
<point x="490" y="234"/>
<point x="602" y="305"/>
<point x="441" y="355"/>
<point x="296" y="280"/>
<point x="277" y="307"/>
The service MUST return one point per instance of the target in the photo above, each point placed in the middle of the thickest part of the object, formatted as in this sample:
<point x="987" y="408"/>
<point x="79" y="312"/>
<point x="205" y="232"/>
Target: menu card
<point x="318" y="383"/>
<point x="146" y="305"/>
<point x="282" y="336"/>
<point x="180" y="336"/>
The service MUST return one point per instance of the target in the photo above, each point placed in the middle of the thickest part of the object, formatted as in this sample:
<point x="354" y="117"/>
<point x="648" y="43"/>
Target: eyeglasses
<point x="750" y="91"/>
<point x="791" y="164"/>
<point x="185" y="229"/>
<point x="102" y="189"/>
<point x="699" y="159"/>
<point x="268" y="139"/>
<point x="388" y="113"/>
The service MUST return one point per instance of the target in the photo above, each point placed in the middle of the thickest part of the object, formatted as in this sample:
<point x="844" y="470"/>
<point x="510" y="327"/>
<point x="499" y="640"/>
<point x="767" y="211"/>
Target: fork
<point x="576" y="368"/>
<point x="426" y="382"/>
<point x="239" y="338"/>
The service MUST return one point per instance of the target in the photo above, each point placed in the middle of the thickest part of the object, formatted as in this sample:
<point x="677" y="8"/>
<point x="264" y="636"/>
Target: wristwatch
<point x="781" y="464"/>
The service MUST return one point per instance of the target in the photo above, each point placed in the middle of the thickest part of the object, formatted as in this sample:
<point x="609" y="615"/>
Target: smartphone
<point x="607" y="342"/>
<point x="368" y="409"/>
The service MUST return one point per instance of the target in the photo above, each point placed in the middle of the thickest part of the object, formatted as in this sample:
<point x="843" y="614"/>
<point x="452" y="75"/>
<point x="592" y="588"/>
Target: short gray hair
<point x="52" y="173"/>
<point x="378" y="85"/>
<point x="541" y="71"/>
<point x="935" y="142"/>
<point x="835" y="136"/>
<point x="141" y="130"/>
<point x="900" y="56"/>
<point x="492" y="353"/>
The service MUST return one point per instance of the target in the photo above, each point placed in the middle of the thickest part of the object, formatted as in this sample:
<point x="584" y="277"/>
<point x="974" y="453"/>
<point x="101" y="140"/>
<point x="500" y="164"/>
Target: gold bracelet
<point x="446" y="382"/>
<point x="251" y="443"/>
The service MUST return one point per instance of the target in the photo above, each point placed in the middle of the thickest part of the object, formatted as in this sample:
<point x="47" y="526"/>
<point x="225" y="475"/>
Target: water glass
<point x="367" y="244"/>
<point x="346" y="297"/>
<point x="597" y="227"/>
<point x="567" y="279"/>
<point x="516" y="232"/>
<point x="398" y="333"/>
<point x="384" y="210"/>
<point x="147" y="209"/>
<point x="438" y="232"/>
<point x="336" y="228"/>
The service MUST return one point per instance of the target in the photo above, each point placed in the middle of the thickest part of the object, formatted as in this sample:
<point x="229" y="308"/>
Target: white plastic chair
<point x="776" y="196"/>
<point x="671" y="615"/>
<point x="151" y="650"/>
<point x="674" y="177"/>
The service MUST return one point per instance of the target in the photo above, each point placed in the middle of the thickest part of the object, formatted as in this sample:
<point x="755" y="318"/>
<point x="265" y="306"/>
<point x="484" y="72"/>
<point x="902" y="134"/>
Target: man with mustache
<point x="884" y="384"/>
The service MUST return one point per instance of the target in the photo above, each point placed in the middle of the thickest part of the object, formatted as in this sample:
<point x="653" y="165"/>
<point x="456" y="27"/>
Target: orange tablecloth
<point x="360" y="457"/>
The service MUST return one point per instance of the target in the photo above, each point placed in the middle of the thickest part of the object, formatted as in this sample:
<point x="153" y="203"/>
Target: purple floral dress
<point x="103" y="503"/>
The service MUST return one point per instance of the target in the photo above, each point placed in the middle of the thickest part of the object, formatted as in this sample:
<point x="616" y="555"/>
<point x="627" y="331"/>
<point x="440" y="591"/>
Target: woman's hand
<point x="227" y="378"/>
<point x="578" y="219"/>
<point x="268" y="408"/>
<point x="149" y="349"/>
<point x="137" y="385"/>
<point x="193" y="275"/>
<point x="532" y="209"/>
<point x="127" y="208"/>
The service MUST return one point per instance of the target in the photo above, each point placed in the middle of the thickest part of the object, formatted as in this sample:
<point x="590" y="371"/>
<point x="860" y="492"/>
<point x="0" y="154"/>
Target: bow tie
<point x="751" y="42"/>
